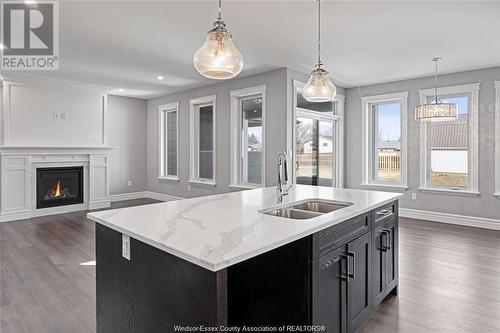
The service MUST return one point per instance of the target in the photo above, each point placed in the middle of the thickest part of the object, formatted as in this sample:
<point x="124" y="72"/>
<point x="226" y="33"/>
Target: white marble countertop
<point x="221" y="230"/>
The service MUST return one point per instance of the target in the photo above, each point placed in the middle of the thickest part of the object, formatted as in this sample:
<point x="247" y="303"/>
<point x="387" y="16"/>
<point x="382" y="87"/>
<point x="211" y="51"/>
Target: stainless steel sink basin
<point x="306" y="209"/>
<point x="321" y="206"/>
<point x="291" y="213"/>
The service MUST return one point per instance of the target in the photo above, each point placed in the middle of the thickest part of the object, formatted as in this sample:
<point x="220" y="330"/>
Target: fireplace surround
<point x="19" y="180"/>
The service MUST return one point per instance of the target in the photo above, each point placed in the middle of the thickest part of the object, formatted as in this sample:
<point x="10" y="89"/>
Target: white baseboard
<point x="128" y="196"/>
<point x="162" y="196"/>
<point x="99" y="204"/>
<point x="470" y="221"/>
<point x="6" y="217"/>
<point x="143" y="194"/>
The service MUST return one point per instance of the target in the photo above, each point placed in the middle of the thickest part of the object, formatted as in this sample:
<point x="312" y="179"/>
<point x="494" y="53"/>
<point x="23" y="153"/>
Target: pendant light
<point x="319" y="88"/>
<point x="218" y="58"/>
<point x="436" y="111"/>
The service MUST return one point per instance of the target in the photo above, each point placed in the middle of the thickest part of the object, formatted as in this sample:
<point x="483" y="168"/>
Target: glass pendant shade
<point x="436" y="112"/>
<point x="218" y="58"/>
<point x="319" y="88"/>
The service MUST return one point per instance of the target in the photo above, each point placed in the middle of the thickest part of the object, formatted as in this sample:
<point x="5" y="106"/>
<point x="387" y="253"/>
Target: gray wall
<point x="486" y="205"/>
<point x="276" y="106"/>
<point x="126" y="125"/>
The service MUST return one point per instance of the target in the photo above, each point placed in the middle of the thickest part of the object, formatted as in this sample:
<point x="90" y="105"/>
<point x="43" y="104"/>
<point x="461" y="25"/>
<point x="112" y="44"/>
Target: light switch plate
<point x="414" y="196"/>
<point x="126" y="246"/>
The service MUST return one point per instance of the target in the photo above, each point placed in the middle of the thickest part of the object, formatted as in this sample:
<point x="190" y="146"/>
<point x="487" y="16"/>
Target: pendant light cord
<point x="220" y="9"/>
<point x="319" y="31"/>
<point x="436" y="81"/>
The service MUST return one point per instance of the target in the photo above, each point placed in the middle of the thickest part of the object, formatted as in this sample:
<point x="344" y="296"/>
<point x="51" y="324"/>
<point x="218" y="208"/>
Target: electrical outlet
<point x="63" y="116"/>
<point x="189" y="187"/>
<point x="414" y="196"/>
<point x="129" y="183"/>
<point x="126" y="246"/>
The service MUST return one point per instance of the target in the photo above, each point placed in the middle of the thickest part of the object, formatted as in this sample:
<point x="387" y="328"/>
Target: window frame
<point x="367" y="137"/>
<point x="194" y="129"/>
<point x="338" y="123"/>
<point x="497" y="139"/>
<point x="472" y="90"/>
<point x="163" y="111"/>
<point x="236" y="118"/>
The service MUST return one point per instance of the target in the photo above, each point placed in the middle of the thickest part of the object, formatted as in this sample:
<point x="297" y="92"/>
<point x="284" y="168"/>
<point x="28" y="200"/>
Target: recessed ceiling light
<point x="160" y="77"/>
<point x="121" y="90"/>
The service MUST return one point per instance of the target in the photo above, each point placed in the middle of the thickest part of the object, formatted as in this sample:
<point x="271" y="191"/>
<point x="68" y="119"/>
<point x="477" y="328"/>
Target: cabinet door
<point x="379" y="243"/>
<point x="359" y="281"/>
<point x="329" y="291"/>
<point x="391" y="264"/>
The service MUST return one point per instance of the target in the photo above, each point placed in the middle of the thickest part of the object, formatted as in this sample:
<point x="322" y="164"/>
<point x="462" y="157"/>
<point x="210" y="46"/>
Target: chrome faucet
<point x="282" y="176"/>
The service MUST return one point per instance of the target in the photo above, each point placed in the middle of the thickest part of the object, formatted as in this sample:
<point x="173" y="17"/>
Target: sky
<point x="389" y="121"/>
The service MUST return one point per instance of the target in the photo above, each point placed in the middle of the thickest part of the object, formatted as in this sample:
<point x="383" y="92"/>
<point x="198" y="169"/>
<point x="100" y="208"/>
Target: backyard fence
<point x="389" y="160"/>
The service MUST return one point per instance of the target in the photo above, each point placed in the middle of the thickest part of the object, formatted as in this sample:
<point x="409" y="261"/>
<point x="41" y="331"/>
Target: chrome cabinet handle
<point x="383" y="245"/>
<point x="353" y="256"/>
<point x="388" y="231"/>
<point x="384" y="212"/>
<point x="342" y="276"/>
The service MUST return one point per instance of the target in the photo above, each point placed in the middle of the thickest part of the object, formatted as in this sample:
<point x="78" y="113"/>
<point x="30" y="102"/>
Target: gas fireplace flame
<point x="57" y="192"/>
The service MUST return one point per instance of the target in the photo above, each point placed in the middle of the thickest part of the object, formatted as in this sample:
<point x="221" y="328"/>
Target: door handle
<point x="342" y="276"/>
<point x="384" y="212"/>
<point x="388" y="231"/>
<point x="353" y="256"/>
<point x="383" y="246"/>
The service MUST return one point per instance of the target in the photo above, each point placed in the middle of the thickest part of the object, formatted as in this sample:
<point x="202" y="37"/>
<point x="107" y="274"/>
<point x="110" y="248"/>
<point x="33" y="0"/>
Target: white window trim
<point x="367" y="141"/>
<point x="193" y="167"/>
<point x="236" y="115"/>
<point x="473" y="140"/>
<point x="162" y="110"/>
<point x="497" y="139"/>
<point x="339" y="133"/>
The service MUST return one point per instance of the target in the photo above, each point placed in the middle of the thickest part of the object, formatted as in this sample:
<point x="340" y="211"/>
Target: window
<point x="169" y="140"/>
<point x="203" y="139"/>
<point x="449" y="149"/>
<point x="497" y="140"/>
<point x="385" y="141"/>
<point x="317" y="140"/>
<point x="248" y="132"/>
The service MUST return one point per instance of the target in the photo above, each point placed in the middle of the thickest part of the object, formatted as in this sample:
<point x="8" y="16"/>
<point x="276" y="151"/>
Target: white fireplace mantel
<point x="18" y="166"/>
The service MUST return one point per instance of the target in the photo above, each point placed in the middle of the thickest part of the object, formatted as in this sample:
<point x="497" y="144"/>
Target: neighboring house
<point x="325" y="145"/>
<point x="449" y="146"/>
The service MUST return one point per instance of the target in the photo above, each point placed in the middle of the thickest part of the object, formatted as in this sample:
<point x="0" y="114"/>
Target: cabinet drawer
<point x="342" y="233"/>
<point x="384" y="213"/>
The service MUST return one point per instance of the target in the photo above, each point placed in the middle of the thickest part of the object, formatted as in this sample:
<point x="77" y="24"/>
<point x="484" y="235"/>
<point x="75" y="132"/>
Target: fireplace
<point x="59" y="186"/>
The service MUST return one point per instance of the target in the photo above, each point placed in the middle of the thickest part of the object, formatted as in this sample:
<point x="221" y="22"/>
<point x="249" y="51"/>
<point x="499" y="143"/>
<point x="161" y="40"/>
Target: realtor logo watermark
<point x="30" y="35"/>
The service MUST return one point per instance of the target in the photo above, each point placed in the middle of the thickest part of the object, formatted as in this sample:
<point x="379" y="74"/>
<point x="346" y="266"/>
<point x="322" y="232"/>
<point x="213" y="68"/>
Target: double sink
<point x="307" y="209"/>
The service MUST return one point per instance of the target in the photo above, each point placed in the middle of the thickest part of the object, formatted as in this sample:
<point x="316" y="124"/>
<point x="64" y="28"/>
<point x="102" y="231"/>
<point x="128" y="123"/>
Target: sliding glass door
<point x="315" y="142"/>
<point x="314" y="164"/>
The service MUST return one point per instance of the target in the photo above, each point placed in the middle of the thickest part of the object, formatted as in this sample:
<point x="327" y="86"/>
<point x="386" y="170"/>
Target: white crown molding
<point x="34" y="81"/>
<point x="470" y="221"/>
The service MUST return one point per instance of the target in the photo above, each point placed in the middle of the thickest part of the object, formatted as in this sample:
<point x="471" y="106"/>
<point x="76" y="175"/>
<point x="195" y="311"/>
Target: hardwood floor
<point x="449" y="277"/>
<point x="45" y="285"/>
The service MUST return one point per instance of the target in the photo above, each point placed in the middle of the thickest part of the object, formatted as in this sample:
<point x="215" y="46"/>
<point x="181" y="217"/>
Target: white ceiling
<point x="127" y="44"/>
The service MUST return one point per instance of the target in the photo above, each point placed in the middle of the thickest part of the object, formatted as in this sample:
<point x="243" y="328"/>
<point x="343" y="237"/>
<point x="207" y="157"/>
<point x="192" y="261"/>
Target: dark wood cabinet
<point x="359" y="281"/>
<point x="330" y="291"/>
<point x="334" y="278"/>
<point x="342" y="286"/>
<point x="385" y="249"/>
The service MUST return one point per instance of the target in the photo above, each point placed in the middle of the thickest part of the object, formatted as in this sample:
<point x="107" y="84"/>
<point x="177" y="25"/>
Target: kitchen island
<point x="227" y="260"/>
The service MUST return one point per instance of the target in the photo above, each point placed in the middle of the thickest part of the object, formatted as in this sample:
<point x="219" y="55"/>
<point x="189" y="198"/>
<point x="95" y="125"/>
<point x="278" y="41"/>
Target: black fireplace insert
<point x="59" y="186"/>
